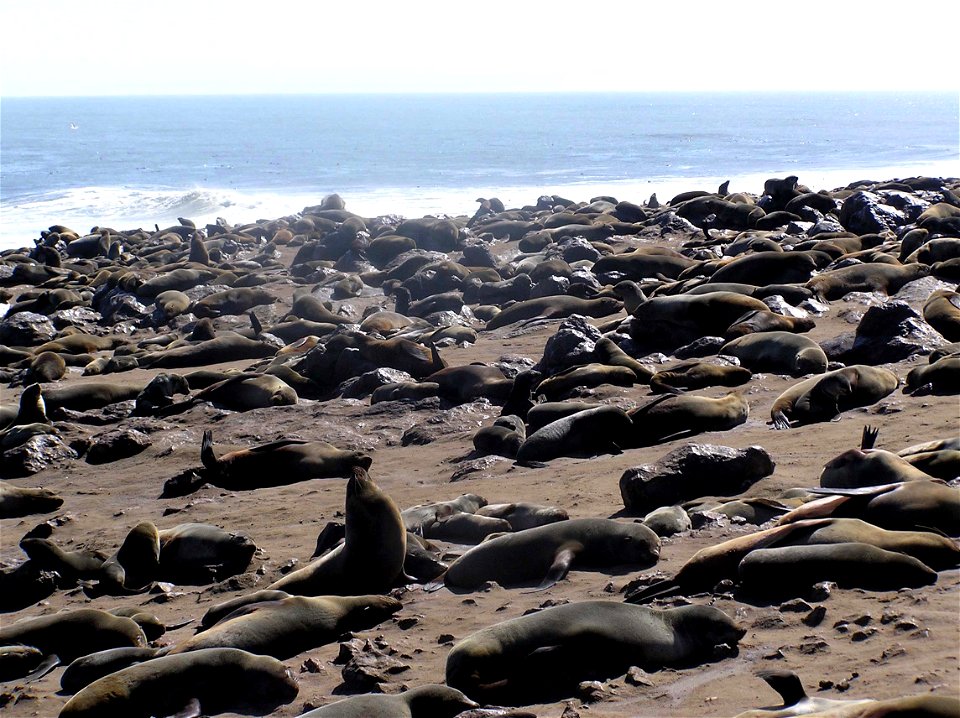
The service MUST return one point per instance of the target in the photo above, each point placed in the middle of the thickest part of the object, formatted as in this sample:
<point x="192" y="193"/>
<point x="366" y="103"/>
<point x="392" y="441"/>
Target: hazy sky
<point x="120" y="47"/>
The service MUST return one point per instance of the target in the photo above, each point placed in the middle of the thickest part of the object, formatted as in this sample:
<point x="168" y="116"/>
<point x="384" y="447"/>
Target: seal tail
<point x="207" y="456"/>
<point x="787" y="684"/>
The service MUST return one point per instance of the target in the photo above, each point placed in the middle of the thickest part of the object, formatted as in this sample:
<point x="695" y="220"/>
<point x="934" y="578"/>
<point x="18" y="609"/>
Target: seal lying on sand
<point x="822" y="397"/>
<point x="288" y="626"/>
<point x="278" y="463"/>
<point x="547" y="553"/>
<point x="212" y="681"/>
<point x="429" y="701"/>
<point x="525" y="659"/>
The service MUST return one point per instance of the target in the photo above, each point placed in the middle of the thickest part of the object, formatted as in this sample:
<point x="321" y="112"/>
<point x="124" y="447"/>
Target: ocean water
<point x="139" y="161"/>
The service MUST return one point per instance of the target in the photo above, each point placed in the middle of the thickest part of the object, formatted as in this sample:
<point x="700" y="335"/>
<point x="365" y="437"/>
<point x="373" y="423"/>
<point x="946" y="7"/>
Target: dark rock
<point x="892" y="332"/>
<point x="838" y="348"/>
<point x="691" y="471"/>
<point x="815" y="617"/>
<point x="550" y="287"/>
<point x="366" y="666"/>
<point x="34" y="455"/>
<point x="117" y="444"/>
<point x="117" y="305"/>
<point x="865" y="213"/>
<point x="702" y="347"/>
<point x="75" y="317"/>
<point x="364" y="385"/>
<point x="572" y="345"/>
<point x="26" y="329"/>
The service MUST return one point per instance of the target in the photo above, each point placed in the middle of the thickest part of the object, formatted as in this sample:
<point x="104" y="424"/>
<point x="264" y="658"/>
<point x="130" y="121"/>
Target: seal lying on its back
<point x="549" y="552"/>
<point x="430" y="701"/>
<point x="526" y="659"/>
<point x="211" y="681"/>
<point x="278" y="463"/>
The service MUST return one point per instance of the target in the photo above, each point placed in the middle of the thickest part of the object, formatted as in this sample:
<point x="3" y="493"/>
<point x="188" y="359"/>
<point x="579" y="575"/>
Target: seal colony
<point x="351" y="367"/>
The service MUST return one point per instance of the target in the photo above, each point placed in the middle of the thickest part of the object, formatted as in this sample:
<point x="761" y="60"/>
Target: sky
<point x="110" y="47"/>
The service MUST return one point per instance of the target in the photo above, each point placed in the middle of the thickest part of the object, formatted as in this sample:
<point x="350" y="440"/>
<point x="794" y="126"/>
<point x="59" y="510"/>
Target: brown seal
<point x="533" y="658"/>
<point x="876" y="277"/>
<point x="212" y="681"/>
<point x="72" y="634"/>
<point x="671" y="415"/>
<point x="825" y="396"/>
<point x="697" y="375"/>
<point x="546" y="553"/>
<point x="19" y="501"/>
<point x="555" y="307"/>
<point x="778" y="352"/>
<point x="278" y="463"/>
<point x="429" y="701"/>
<point x="370" y="560"/>
<point x="942" y="312"/>
<point x="286" y="627"/>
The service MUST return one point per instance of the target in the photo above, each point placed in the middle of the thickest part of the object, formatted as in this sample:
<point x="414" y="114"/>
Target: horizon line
<point x="408" y="93"/>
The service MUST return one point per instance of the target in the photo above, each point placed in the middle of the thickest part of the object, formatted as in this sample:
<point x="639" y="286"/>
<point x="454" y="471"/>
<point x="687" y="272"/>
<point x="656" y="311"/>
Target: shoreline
<point x="18" y="228"/>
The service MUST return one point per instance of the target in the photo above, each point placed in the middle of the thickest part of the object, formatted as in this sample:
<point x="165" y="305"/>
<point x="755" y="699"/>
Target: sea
<point x="128" y="162"/>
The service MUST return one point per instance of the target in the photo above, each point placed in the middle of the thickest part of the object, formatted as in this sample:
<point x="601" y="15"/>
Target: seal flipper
<point x="787" y="684"/>
<point x="191" y="710"/>
<point x="780" y="421"/>
<point x="660" y="589"/>
<point x="868" y="439"/>
<point x="47" y="665"/>
<point x="207" y="456"/>
<point x="558" y="569"/>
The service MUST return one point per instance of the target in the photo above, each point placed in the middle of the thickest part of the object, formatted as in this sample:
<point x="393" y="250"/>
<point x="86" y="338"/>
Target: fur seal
<point x="278" y="463"/>
<point x="672" y="321"/>
<point x="825" y="396"/>
<point x="212" y="681"/>
<point x="698" y="375"/>
<point x="19" y="501"/>
<point x="85" y="670"/>
<point x="788" y="569"/>
<point x="604" y="429"/>
<point x="525" y="659"/>
<point x="778" y="352"/>
<point x="71" y="566"/>
<point x="942" y="312"/>
<point x="546" y="553"/>
<point x="523" y="515"/>
<point x="88" y="396"/>
<point x="196" y="552"/>
<point x="46" y="367"/>
<point x="242" y="392"/>
<point x="72" y="634"/>
<point x="939" y="377"/>
<point x="429" y="701"/>
<point x="231" y="347"/>
<point x="370" y="560"/>
<point x="587" y="375"/>
<point x="231" y="301"/>
<point x="172" y="303"/>
<point x="286" y="627"/>
<point x="503" y="438"/>
<point x="18" y="661"/>
<point x="766" y="321"/>
<point x="555" y="307"/>
<point x="136" y="564"/>
<point x="796" y="702"/>
<point x="671" y="415"/>
<point x="872" y="277"/>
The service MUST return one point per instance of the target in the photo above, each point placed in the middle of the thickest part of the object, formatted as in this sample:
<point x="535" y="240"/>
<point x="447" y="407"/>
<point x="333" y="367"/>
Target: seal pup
<point x="209" y="682"/>
<point x="530" y="658"/>
<point x="290" y="626"/>
<point x="429" y="701"/>
<point x="278" y="463"/>
<point x="546" y="553"/>
<point x="370" y="560"/>
<point x="825" y="396"/>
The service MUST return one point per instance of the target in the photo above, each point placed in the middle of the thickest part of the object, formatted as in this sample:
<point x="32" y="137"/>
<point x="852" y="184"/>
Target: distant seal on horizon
<point x="75" y="633"/>
<point x="212" y="681"/>
<point x="370" y="560"/>
<point x="540" y="656"/>
<point x="287" y="627"/>
<point x="822" y="397"/>
<point x="778" y="352"/>
<point x="429" y="701"/>
<point x="546" y="553"/>
<point x="278" y="463"/>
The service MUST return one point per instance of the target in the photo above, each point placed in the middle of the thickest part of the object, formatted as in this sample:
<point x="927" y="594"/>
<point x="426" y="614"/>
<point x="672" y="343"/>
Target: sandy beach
<point x="869" y="644"/>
